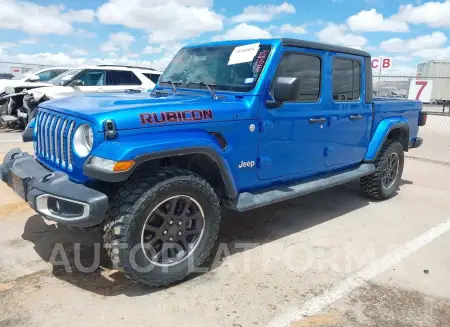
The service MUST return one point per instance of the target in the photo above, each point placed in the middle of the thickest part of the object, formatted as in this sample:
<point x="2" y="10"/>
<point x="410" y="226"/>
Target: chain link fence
<point x="434" y="92"/>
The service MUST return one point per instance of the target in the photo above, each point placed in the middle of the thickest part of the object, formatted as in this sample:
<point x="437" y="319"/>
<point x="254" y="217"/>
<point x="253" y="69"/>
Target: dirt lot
<point x="333" y="258"/>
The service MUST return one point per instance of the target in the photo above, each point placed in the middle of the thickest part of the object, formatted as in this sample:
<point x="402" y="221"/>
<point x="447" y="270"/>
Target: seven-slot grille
<point x="54" y="136"/>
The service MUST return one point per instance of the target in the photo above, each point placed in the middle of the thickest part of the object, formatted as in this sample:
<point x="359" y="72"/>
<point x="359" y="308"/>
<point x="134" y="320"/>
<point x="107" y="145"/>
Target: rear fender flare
<point x="384" y="128"/>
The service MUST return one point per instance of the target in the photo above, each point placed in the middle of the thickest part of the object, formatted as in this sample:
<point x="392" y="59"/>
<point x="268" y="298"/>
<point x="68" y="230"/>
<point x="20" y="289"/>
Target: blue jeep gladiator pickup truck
<point x="240" y="124"/>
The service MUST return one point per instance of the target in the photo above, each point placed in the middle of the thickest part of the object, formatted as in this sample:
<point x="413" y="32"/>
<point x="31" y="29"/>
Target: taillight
<point x="423" y="118"/>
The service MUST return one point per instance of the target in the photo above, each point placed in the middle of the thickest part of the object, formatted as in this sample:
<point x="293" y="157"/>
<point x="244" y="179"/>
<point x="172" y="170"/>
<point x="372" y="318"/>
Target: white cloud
<point x="434" y="54"/>
<point x="402" y="58"/>
<point x="242" y="32"/>
<point x="64" y="59"/>
<point x="108" y="46"/>
<point x="6" y="45"/>
<point x="84" y="33"/>
<point x="122" y="39"/>
<point x="36" y="19"/>
<point x="166" y="21"/>
<point x="339" y="34"/>
<point x="288" y="28"/>
<point x="263" y="13"/>
<point x="434" y="14"/>
<point x="370" y="48"/>
<point x="117" y="41"/>
<point x="29" y="41"/>
<point x="152" y="50"/>
<point x="79" y="52"/>
<point x="372" y="21"/>
<point x="47" y="58"/>
<point x="79" y="16"/>
<point x="434" y="40"/>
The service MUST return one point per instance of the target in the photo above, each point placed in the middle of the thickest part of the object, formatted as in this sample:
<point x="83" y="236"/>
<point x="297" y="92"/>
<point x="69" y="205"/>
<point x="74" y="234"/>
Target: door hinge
<point x="327" y="151"/>
<point x="264" y="162"/>
<point x="265" y="126"/>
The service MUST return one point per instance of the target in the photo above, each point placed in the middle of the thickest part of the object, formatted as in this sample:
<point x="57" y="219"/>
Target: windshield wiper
<point x="174" y="85"/>
<point x="209" y="87"/>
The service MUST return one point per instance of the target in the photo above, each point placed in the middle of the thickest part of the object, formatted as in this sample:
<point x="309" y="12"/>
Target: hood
<point x="141" y="110"/>
<point x="53" y="92"/>
<point x="8" y="85"/>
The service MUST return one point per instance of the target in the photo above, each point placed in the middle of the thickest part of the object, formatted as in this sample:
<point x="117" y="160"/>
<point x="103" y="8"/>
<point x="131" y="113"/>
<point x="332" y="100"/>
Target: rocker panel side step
<point x="247" y="201"/>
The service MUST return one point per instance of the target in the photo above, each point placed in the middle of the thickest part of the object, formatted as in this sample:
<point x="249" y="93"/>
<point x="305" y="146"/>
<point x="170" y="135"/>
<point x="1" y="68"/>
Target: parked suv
<point x="88" y="79"/>
<point x="31" y="79"/>
<point x="98" y="79"/>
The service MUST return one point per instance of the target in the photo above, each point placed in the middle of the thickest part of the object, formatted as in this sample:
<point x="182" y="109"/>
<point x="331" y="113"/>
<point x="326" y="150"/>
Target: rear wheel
<point x="162" y="226"/>
<point x="383" y="183"/>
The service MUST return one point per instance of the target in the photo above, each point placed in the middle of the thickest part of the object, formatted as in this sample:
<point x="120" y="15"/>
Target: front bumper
<point x="51" y="193"/>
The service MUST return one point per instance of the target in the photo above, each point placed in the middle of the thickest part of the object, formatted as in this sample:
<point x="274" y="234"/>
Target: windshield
<point x="65" y="78"/>
<point x="227" y="68"/>
<point x="26" y="74"/>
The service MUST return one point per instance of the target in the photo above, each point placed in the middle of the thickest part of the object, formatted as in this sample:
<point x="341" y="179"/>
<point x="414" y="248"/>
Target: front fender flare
<point x="161" y="146"/>
<point x="27" y="134"/>
<point x="381" y="133"/>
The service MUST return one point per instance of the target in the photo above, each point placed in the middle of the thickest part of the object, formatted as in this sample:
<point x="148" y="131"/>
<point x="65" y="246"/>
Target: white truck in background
<point x="433" y="78"/>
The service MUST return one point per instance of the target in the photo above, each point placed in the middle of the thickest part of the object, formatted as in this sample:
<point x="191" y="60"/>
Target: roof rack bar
<point x="104" y="65"/>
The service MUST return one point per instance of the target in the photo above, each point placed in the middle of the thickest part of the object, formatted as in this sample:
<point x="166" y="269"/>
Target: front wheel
<point x="162" y="226"/>
<point x="384" y="182"/>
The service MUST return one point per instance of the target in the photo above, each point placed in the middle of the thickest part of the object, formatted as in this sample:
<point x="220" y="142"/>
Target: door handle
<point x="321" y="120"/>
<point x="356" y="117"/>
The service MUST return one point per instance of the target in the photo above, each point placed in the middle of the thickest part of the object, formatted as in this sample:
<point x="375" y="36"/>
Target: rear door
<point x="121" y="80"/>
<point x="293" y="136"/>
<point x="349" y="116"/>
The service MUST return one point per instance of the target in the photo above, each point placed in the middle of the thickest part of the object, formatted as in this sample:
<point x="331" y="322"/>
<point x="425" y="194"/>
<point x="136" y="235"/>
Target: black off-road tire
<point x="372" y="185"/>
<point x="130" y="208"/>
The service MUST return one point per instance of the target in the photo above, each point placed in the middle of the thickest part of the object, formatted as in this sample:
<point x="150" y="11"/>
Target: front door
<point x="292" y="138"/>
<point x="349" y="117"/>
<point x="92" y="81"/>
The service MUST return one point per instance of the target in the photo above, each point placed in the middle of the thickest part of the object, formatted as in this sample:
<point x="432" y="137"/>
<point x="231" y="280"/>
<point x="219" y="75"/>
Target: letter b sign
<point x="381" y="63"/>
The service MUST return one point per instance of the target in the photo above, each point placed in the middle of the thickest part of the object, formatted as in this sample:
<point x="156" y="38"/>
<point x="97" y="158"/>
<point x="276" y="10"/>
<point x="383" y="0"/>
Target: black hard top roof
<point x="323" y="46"/>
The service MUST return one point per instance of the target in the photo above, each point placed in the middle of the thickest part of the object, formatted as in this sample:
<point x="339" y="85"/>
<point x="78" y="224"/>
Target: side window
<point x="153" y="77"/>
<point x="45" y="76"/>
<point x="56" y="72"/>
<point x="93" y="78"/>
<point x="346" y="79"/>
<point x="123" y="77"/>
<point x="307" y="68"/>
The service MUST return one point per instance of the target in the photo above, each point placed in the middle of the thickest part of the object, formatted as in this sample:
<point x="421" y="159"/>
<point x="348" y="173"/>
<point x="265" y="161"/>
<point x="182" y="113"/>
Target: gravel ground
<point x="333" y="255"/>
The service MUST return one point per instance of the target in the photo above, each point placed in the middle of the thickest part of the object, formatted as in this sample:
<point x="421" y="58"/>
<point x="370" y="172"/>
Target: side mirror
<point x="286" y="88"/>
<point x="77" y="82"/>
<point x="34" y="78"/>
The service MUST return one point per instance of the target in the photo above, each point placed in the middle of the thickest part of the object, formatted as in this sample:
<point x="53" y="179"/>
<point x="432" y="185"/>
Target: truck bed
<point x="409" y="109"/>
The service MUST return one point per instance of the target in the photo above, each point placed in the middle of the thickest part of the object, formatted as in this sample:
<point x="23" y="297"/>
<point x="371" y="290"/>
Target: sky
<point x="150" y="32"/>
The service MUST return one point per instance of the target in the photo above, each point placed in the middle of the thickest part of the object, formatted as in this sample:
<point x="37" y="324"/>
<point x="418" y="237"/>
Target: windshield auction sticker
<point x="244" y="53"/>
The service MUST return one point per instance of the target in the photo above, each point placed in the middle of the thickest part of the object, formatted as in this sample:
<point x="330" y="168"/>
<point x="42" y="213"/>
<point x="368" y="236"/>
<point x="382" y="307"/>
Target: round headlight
<point x="83" y="140"/>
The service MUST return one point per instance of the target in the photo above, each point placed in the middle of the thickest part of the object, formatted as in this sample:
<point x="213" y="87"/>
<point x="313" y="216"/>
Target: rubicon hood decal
<point x="176" y="116"/>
